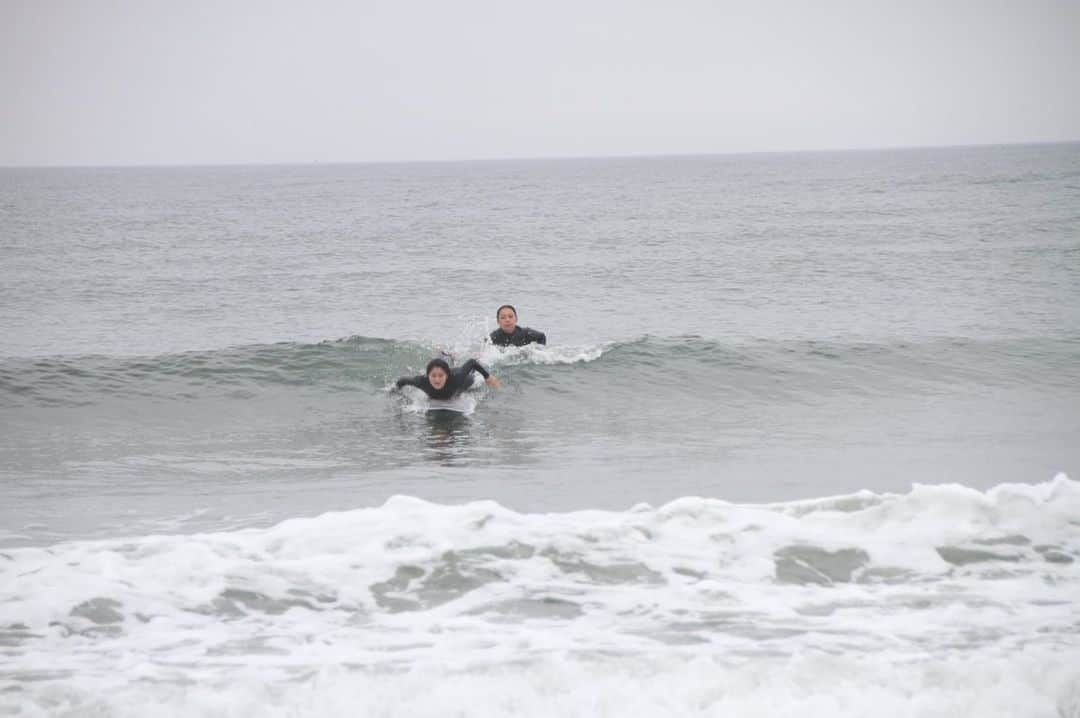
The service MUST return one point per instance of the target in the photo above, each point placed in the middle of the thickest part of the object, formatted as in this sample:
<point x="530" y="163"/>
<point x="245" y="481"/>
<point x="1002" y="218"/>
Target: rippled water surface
<point x="802" y="437"/>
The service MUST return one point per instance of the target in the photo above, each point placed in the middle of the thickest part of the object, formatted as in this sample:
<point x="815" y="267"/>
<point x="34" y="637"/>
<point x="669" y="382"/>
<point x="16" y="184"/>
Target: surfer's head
<point x="507" y="318"/>
<point x="438" y="371"/>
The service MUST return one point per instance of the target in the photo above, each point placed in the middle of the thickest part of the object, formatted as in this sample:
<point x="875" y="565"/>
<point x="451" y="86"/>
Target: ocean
<point x="804" y="441"/>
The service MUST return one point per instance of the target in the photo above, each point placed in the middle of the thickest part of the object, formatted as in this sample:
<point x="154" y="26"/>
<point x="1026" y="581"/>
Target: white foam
<point x="540" y="354"/>
<point x="943" y="600"/>
<point x="493" y="356"/>
<point x="807" y="686"/>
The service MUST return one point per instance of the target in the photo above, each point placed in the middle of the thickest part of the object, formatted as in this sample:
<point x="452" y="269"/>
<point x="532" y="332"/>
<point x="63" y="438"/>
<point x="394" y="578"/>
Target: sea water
<point x="803" y="441"/>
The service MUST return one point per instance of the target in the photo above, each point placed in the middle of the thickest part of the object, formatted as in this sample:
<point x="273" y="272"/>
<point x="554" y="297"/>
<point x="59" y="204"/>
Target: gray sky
<point x="209" y="81"/>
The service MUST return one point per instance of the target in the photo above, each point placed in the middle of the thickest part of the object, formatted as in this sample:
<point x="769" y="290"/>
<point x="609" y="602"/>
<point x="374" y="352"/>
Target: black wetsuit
<point x="519" y="338"/>
<point x="459" y="380"/>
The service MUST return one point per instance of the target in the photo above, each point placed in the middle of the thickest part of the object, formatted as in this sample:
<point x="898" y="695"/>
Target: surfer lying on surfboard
<point x="510" y="334"/>
<point x="439" y="381"/>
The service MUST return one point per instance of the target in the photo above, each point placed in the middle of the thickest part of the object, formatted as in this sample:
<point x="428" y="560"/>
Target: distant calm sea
<point x="803" y="442"/>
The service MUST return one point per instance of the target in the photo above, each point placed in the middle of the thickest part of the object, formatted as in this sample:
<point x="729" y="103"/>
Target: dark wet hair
<point x="505" y="306"/>
<point x="437" y="362"/>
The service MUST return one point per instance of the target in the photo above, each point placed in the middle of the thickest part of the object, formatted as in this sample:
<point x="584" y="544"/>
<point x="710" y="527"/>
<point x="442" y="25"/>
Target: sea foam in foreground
<point x="942" y="601"/>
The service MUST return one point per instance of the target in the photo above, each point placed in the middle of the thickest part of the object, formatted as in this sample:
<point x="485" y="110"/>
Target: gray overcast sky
<point x="225" y="81"/>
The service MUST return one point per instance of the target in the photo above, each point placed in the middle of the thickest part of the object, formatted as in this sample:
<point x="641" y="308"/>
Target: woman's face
<point x="507" y="320"/>
<point x="437" y="377"/>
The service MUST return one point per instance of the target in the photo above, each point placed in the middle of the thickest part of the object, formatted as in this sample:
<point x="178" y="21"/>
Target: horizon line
<point x="537" y="158"/>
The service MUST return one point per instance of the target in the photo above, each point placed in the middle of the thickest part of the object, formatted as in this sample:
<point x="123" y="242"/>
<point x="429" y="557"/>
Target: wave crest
<point x="358" y="362"/>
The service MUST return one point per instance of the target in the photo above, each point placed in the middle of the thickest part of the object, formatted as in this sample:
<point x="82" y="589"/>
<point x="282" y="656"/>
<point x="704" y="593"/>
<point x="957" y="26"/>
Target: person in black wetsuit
<point x="510" y="334"/>
<point x="439" y="381"/>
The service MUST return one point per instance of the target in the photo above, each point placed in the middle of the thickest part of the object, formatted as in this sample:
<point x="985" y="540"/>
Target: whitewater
<point x="937" y="600"/>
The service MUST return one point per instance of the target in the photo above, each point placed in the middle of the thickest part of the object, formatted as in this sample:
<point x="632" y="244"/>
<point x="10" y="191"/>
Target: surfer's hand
<point x="492" y="381"/>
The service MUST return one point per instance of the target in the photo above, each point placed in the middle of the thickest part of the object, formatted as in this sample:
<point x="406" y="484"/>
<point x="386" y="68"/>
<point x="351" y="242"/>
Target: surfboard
<point x="461" y="404"/>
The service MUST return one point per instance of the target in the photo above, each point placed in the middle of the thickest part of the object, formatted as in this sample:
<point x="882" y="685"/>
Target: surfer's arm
<point x="416" y="381"/>
<point x="538" y="337"/>
<point x="474" y="366"/>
